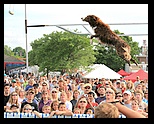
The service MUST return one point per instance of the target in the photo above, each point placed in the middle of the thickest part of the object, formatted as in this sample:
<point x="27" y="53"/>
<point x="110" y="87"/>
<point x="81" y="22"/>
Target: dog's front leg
<point x="92" y="36"/>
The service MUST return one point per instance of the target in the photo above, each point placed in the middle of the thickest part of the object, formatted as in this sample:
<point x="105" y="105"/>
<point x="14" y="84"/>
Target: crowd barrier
<point x="25" y="115"/>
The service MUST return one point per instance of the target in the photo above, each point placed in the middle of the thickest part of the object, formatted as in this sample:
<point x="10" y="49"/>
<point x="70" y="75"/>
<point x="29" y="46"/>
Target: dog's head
<point x="91" y="19"/>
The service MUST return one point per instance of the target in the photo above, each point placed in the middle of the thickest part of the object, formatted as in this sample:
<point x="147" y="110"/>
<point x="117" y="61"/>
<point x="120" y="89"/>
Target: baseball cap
<point x="127" y="92"/>
<point x="13" y="81"/>
<point x="14" y="105"/>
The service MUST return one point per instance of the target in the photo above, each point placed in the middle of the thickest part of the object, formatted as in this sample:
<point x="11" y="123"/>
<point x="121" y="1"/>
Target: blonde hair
<point x="132" y="85"/>
<point x="11" y="100"/>
<point x="46" y="106"/>
<point x="27" y="105"/>
<point x="106" y="110"/>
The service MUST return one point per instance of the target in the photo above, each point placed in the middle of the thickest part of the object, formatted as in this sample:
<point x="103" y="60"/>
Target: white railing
<point x="25" y="115"/>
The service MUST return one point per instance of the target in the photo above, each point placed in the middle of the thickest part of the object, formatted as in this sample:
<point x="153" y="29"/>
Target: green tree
<point x="61" y="51"/>
<point x="19" y="52"/>
<point x="7" y="50"/>
<point x="108" y="56"/>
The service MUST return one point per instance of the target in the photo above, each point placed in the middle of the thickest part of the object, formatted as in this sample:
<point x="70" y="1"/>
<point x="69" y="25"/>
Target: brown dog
<point x="107" y="36"/>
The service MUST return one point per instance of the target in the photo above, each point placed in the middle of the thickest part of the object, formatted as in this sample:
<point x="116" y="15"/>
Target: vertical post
<point x="26" y="40"/>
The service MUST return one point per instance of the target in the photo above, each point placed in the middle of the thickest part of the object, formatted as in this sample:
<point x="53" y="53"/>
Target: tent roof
<point x="141" y="73"/>
<point x="123" y="73"/>
<point x="11" y="59"/>
<point x="102" y="71"/>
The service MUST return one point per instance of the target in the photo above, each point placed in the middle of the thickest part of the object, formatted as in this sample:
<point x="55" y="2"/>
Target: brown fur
<point x="107" y="36"/>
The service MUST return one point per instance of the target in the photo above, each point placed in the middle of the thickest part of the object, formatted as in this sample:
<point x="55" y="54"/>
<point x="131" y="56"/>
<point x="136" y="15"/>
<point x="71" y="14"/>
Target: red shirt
<point x="94" y="104"/>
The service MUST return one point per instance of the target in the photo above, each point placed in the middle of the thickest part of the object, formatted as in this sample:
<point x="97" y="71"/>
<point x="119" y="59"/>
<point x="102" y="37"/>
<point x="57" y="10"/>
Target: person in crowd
<point x="62" y="110"/>
<point x="91" y="100"/>
<point x="139" y="96"/>
<point x="89" y="111"/>
<point x="130" y="86"/>
<point x="31" y="82"/>
<point x="54" y="105"/>
<point x="38" y="94"/>
<point x="82" y="104"/>
<point x="113" y="110"/>
<point x="30" y="100"/>
<point x="145" y="99"/>
<point x="137" y="81"/>
<point x="101" y="94"/>
<point x="27" y="108"/>
<point x="45" y="86"/>
<point x="76" y="94"/>
<point x="63" y="98"/>
<point x="127" y="98"/>
<point x="22" y="95"/>
<point x="77" y="111"/>
<point x="110" y="95"/>
<point x="6" y="94"/>
<point x="138" y="87"/>
<point x="144" y="88"/>
<point x="119" y="96"/>
<point x="25" y="83"/>
<point x="92" y="82"/>
<point x="54" y="94"/>
<point x="81" y="88"/>
<point x="52" y="84"/>
<point x="123" y="87"/>
<point x="69" y="95"/>
<point x="135" y="107"/>
<point x="13" y="85"/>
<point x="146" y="83"/>
<point x="18" y="84"/>
<point x="87" y="89"/>
<point x="61" y="85"/>
<point x="13" y="99"/>
<point x="45" y="100"/>
<point x="17" y="89"/>
<point x="13" y="108"/>
<point x="118" y="86"/>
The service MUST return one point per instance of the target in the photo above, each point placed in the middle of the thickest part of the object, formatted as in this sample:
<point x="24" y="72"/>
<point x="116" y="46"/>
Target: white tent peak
<point x="102" y="71"/>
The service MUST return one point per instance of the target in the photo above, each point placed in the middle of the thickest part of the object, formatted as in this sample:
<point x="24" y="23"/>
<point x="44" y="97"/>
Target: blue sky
<point x="54" y="14"/>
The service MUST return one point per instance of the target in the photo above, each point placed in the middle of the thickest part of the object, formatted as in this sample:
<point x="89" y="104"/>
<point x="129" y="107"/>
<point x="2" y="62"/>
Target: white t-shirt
<point x="68" y="105"/>
<point x="12" y="89"/>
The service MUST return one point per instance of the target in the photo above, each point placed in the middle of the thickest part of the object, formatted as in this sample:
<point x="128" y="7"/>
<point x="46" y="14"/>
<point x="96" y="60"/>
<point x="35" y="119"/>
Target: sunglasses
<point x="82" y="101"/>
<point x="54" y="92"/>
<point x="119" y="96"/>
<point x="27" y="109"/>
<point x="56" y="87"/>
<point x="109" y="92"/>
<point x="87" y="87"/>
<point x="14" y="94"/>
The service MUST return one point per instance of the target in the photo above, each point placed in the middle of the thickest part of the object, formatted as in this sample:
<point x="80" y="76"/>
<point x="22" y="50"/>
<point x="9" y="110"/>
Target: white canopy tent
<point x="102" y="71"/>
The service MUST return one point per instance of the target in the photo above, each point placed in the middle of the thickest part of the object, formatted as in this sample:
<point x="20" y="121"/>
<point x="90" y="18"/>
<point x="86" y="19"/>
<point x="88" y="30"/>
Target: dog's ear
<point x="94" y="17"/>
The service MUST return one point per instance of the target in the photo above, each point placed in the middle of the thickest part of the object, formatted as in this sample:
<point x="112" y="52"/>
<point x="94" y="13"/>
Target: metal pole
<point x="26" y="40"/>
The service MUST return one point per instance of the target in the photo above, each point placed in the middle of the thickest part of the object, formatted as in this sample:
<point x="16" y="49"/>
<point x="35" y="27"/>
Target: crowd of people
<point x="68" y="95"/>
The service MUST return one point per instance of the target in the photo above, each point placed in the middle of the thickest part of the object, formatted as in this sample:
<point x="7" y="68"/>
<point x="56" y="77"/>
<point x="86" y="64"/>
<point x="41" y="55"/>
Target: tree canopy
<point x="61" y="50"/>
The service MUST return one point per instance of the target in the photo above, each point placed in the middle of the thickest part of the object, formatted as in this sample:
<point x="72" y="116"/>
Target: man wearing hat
<point x="30" y="100"/>
<point x="13" y="85"/>
<point x="127" y="98"/>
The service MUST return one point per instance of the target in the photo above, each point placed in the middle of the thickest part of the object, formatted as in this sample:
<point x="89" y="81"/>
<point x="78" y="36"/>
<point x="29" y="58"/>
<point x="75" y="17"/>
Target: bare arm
<point x="129" y="113"/>
<point x="69" y="113"/>
<point x="37" y="114"/>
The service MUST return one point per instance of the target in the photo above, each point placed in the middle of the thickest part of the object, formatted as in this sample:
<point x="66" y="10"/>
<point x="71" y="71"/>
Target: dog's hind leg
<point x="133" y="60"/>
<point x="92" y="36"/>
